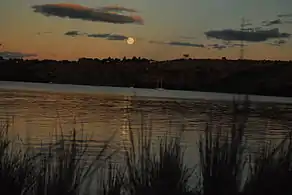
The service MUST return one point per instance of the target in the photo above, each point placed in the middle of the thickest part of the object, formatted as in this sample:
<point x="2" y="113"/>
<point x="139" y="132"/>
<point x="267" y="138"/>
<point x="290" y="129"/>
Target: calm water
<point x="39" y="115"/>
<point x="35" y="116"/>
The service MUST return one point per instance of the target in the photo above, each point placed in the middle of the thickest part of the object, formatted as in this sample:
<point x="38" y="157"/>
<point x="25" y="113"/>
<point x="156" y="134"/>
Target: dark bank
<point x="269" y="78"/>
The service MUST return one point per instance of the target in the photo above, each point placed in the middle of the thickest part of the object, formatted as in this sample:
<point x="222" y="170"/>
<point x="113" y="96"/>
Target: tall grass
<point x="112" y="180"/>
<point x="271" y="171"/>
<point x="59" y="171"/>
<point x="17" y="168"/>
<point x="156" y="172"/>
<point x="222" y="158"/>
<point x="150" y="169"/>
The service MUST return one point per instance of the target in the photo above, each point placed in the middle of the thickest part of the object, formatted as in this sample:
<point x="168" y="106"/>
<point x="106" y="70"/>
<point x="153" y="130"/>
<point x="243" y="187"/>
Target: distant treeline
<point x="272" y="78"/>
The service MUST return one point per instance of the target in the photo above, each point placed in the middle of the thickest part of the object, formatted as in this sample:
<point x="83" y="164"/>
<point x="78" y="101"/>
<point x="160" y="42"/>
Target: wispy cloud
<point x="73" y="33"/>
<point x="236" y="45"/>
<point x="119" y="37"/>
<point x="187" y="44"/>
<point x="107" y="36"/>
<point x="177" y="43"/>
<point x="16" y="55"/>
<point x="250" y="36"/>
<point x="112" y="37"/>
<point x="225" y="45"/>
<point x="218" y="46"/>
<point x="75" y="11"/>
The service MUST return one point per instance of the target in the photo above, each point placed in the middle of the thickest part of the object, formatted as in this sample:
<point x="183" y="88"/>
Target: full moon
<point x="130" y="41"/>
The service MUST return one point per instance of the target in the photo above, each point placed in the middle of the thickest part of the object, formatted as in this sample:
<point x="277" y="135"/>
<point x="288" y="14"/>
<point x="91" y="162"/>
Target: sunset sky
<point x="162" y="29"/>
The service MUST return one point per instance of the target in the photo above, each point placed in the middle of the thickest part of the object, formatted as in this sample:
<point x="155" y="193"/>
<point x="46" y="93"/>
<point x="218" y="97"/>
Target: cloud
<point x="108" y="36"/>
<point x="112" y="37"/>
<point x="276" y="22"/>
<point x="251" y="36"/>
<point x="73" y="33"/>
<point x="284" y="15"/>
<point x="225" y="46"/>
<point x="272" y="22"/>
<point x="116" y="8"/>
<point x="236" y="45"/>
<point x="177" y="43"/>
<point x="218" y="46"/>
<point x="15" y="55"/>
<point x="75" y="11"/>
<point x="187" y="44"/>
<point x="119" y="37"/>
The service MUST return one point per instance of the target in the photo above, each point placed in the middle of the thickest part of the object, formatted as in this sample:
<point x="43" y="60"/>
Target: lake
<point x="39" y="111"/>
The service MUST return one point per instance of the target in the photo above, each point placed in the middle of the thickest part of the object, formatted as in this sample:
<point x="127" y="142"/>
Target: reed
<point x="222" y="152"/>
<point x="112" y="180"/>
<point x="150" y="169"/>
<point x="271" y="171"/>
<point x="53" y="171"/>
<point x="17" y="166"/>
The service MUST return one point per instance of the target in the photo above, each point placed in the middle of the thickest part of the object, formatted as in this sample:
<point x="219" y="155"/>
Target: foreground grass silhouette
<point x="226" y="166"/>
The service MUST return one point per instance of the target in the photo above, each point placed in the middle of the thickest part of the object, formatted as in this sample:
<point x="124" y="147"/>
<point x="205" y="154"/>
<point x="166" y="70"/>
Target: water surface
<point x="39" y="114"/>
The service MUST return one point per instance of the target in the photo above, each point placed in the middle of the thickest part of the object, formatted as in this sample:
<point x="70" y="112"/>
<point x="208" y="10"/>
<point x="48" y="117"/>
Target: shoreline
<point x="154" y="94"/>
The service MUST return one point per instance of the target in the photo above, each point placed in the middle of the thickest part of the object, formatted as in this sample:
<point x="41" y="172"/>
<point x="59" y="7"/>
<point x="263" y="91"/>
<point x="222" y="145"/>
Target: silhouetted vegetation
<point x="271" y="78"/>
<point x="226" y="166"/>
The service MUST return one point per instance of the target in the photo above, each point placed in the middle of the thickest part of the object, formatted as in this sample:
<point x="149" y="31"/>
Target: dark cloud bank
<point x="104" y="14"/>
<point x="250" y="36"/>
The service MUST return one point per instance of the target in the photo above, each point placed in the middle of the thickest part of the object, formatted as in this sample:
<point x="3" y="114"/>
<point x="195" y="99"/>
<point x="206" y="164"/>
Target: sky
<point x="161" y="29"/>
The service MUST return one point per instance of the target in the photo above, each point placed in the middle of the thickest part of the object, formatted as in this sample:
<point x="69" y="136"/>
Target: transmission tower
<point x="241" y="41"/>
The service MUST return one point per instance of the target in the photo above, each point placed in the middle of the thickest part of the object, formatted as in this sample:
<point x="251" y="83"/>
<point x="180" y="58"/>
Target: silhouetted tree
<point x="232" y="76"/>
<point x="186" y="55"/>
